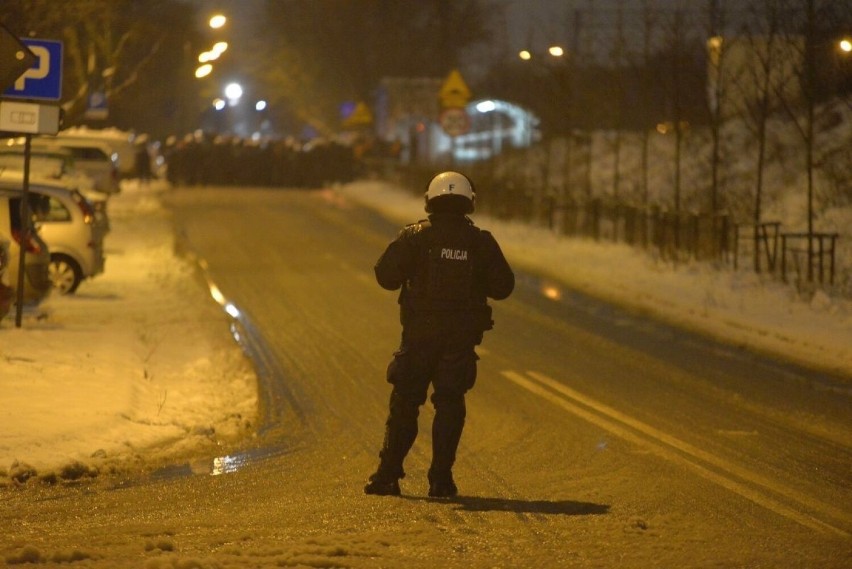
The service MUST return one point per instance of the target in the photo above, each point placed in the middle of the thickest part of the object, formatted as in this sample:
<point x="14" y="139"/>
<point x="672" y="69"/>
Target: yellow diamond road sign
<point x="454" y="92"/>
<point x="361" y="116"/>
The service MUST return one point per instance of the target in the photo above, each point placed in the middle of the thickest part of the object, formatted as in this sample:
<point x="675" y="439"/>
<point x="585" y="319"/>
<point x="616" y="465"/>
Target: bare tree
<point x="587" y="101"/>
<point x="801" y="104"/>
<point x="719" y="81"/>
<point x="571" y="103"/>
<point x="765" y="75"/>
<point x="675" y="80"/>
<point x="717" y="87"/>
<point x="618" y="57"/>
<point x="109" y="46"/>
<point x="315" y="62"/>
<point x="649" y="22"/>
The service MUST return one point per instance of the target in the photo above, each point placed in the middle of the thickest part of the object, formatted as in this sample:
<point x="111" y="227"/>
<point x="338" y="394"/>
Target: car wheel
<point x="65" y="273"/>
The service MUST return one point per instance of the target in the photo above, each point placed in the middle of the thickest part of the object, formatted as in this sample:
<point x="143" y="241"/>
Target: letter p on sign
<point x="38" y="71"/>
<point x="43" y="79"/>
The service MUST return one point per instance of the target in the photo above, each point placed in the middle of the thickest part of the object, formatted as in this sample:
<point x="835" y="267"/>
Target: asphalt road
<point x="750" y="428"/>
<point x="595" y="437"/>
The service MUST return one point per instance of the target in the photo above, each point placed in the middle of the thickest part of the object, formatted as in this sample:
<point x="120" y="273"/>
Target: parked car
<point x="93" y="158"/>
<point x="67" y="223"/>
<point x="37" y="284"/>
<point x="7" y="293"/>
<point x="116" y="142"/>
<point x="57" y="164"/>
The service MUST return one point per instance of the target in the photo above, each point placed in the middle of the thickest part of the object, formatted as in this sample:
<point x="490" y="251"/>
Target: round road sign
<point x="454" y="121"/>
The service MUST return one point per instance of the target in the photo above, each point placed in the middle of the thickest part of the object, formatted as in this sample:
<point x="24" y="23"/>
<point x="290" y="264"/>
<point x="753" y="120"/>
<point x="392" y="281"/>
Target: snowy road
<point x="595" y="438"/>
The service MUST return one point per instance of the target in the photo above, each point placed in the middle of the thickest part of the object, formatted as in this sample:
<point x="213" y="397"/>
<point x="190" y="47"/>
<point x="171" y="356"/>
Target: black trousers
<point x="447" y="362"/>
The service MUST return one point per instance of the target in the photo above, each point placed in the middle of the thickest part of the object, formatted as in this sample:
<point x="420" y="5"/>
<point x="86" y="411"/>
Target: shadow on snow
<point x="556" y="507"/>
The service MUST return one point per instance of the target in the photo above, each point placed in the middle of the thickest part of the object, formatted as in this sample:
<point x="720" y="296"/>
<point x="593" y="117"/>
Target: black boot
<point x="379" y="485"/>
<point x="385" y="481"/>
<point x="442" y="485"/>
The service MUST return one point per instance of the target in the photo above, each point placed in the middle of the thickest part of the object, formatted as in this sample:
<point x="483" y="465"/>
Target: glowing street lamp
<point x="260" y="105"/>
<point x="218" y="49"/>
<point x="203" y="71"/>
<point x="553" y="51"/>
<point x="217" y="21"/>
<point x="233" y="92"/>
<point x="845" y="45"/>
<point x="486" y="106"/>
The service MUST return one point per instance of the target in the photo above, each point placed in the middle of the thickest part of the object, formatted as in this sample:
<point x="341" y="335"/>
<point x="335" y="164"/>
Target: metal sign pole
<point x="27" y="73"/>
<point x="25" y="231"/>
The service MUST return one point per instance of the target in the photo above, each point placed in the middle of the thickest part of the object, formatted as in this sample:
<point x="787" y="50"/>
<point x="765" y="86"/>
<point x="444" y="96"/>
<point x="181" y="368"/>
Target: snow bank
<point x="138" y="362"/>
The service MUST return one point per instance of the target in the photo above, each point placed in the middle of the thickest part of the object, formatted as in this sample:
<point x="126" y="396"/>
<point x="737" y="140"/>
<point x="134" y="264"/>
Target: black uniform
<point x="446" y="269"/>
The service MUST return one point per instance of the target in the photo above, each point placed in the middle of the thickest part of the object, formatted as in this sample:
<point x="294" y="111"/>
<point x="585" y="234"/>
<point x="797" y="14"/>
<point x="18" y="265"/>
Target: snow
<point x="132" y="368"/>
<point x="127" y="367"/>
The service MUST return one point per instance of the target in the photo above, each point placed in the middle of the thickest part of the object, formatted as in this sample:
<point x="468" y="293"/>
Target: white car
<point x="57" y="164"/>
<point x="48" y="162"/>
<point x="92" y="157"/>
<point x="67" y="223"/>
<point x="121" y="144"/>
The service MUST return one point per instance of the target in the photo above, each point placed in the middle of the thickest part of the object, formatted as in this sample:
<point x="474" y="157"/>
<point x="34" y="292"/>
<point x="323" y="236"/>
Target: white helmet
<point x="450" y="184"/>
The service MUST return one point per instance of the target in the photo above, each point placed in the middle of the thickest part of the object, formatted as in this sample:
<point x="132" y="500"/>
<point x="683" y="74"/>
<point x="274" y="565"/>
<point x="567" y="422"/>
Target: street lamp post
<point x="555" y="62"/>
<point x="843" y="65"/>
<point x="560" y="111"/>
<point x="202" y="69"/>
<point x="217" y="21"/>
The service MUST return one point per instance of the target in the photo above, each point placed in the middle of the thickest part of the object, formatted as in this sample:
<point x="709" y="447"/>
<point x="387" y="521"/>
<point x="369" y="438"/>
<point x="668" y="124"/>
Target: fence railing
<point x="674" y="235"/>
<point x="759" y="242"/>
<point x="816" y="250"/>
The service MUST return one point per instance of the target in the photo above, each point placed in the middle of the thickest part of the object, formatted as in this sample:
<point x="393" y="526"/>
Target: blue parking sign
<point x="44" y="79"/>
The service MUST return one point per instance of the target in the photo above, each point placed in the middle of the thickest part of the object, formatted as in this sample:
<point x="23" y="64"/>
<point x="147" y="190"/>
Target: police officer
<point x="446" y="269"/>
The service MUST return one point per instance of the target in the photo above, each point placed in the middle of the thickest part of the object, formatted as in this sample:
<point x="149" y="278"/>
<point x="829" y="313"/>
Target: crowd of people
<point x="223" y="161"/>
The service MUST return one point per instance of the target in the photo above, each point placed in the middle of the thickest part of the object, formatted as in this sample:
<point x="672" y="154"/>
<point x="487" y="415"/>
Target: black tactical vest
<point x="444" y="278"/>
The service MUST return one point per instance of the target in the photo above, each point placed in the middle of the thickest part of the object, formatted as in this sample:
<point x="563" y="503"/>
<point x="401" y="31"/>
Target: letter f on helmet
<point x="450" y="184"/>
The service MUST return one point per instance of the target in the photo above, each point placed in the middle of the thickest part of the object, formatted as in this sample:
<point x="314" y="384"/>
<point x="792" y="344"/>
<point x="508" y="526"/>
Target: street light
<point x="203" y="71"/>
<point x="552" y="71"/>
<point x="845" y="45"/>
<point x="553" y="51"/>
<point x="489" y="107"/>
<point x="217" y="21"/>
<point x="486" y="106"/>
<point x="233" y="92"/>
<point x="218" y="49"/>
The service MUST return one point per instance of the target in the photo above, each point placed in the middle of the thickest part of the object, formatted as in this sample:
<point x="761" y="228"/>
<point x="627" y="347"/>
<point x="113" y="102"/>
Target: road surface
<point x="595" y="437"/>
